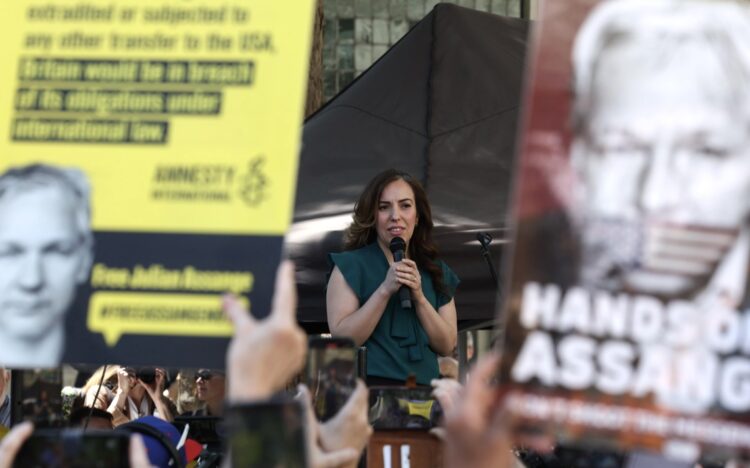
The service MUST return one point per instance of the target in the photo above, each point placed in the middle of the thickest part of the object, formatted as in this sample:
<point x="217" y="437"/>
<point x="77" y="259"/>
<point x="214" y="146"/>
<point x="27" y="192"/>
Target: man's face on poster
<point x="665" y="162"/>
<point x="43" y="257"/>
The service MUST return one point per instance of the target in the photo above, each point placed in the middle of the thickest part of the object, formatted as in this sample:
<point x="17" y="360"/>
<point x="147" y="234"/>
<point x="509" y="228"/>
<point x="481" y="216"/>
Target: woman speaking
<point x="363" y="298"/>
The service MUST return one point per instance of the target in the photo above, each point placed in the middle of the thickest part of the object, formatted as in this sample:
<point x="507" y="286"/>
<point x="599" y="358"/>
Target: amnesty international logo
<point x="253" y="183"/>
<point x="213" y="183"/>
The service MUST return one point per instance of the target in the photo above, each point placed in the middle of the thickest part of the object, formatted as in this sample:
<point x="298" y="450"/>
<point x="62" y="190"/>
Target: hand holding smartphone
<point x="330" y="373"/>
<point x="267" y="433"/>
<point x="73" y="448"/>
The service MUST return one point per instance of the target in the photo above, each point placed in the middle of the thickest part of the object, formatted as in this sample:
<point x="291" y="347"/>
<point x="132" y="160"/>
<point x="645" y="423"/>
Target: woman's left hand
<point x="155" y="388"/>
<point x="155" y="391"/>
<point x="408" y="275"/>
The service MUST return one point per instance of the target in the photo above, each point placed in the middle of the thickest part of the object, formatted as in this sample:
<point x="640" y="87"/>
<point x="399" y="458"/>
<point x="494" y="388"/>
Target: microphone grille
<point x="397" y="244"/>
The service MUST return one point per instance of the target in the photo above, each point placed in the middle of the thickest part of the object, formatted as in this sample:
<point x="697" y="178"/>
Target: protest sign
<point x="147" y="165"/>
<point x="626" y="324"/>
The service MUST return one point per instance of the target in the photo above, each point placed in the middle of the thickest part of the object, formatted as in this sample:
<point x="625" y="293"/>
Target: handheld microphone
<point x="397" y="249"/>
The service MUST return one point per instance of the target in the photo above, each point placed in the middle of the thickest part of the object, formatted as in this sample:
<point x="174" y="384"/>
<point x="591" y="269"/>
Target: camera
<point x="146" y="374"/>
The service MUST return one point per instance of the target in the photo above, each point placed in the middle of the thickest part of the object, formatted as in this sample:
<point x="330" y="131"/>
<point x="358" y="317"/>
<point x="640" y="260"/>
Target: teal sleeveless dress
<point x="399" y="344"/>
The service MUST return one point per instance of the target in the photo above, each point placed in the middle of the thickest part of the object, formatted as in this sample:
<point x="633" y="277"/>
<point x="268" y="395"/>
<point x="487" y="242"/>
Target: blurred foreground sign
<point x="147" y="165"/>
<point x="627" y="323"/>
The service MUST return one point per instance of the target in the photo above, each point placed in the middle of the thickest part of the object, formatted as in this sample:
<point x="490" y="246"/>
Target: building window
<point x="357" y="32"/>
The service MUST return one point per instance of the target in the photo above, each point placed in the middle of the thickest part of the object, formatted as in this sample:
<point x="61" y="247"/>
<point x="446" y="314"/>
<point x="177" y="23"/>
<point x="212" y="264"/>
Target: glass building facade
<point x="357" y="32"/>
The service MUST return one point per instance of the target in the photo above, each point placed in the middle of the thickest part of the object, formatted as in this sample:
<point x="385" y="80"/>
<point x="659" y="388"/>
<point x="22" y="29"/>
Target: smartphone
<point x="146" y="374"/>
<point x="330" y="373"/>
<point x="37" y="397"/>
<point x="268" y="433"/>
<point x="63" y="448"/>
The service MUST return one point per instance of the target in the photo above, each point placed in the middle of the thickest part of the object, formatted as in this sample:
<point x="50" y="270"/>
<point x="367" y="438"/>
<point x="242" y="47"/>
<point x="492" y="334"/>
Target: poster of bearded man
<point x="626" y="324"/>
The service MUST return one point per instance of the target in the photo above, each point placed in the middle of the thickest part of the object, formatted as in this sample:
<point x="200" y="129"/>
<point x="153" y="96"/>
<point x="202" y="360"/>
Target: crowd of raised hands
<point x="265" y="355"/>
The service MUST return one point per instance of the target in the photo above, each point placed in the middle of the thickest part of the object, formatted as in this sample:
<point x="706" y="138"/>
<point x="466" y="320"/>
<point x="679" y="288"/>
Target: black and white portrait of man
<point x="45" y="254"/>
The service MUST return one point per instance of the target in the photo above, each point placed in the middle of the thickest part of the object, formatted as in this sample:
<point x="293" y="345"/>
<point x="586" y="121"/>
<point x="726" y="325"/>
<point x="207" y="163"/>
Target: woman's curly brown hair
<point x="422" y="249"/>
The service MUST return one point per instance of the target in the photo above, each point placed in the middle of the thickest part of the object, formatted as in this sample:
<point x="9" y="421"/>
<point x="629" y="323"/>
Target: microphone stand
<point x="484" y="244"/>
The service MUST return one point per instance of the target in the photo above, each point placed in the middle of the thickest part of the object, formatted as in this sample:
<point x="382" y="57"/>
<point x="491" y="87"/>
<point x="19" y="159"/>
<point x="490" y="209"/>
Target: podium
<point x="394" y="448"/>
<point x="402" y="418"/>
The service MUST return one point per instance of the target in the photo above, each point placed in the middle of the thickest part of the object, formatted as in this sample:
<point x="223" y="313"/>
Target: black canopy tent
<point x="441" y="104"/>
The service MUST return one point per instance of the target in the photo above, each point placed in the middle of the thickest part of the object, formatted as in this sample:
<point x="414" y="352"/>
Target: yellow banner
<point x="185" y="116"/>
<point x="148" y="160"/>
<point x="417" y="408"/>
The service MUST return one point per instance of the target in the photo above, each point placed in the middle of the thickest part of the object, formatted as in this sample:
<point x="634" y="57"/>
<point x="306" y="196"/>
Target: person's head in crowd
<point x="106" y="375"/>
<point x="96" y="396"/>
<point x="97" y="418"/>
<point x="210" y="388"/>
<point x="165" y="445"/>
<point x="139" y="378"/>
<point x="182" y="392"/>
<point x="131" y="397"/>
<point x="661" y="144"/>
<point x="45" y="253"/>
